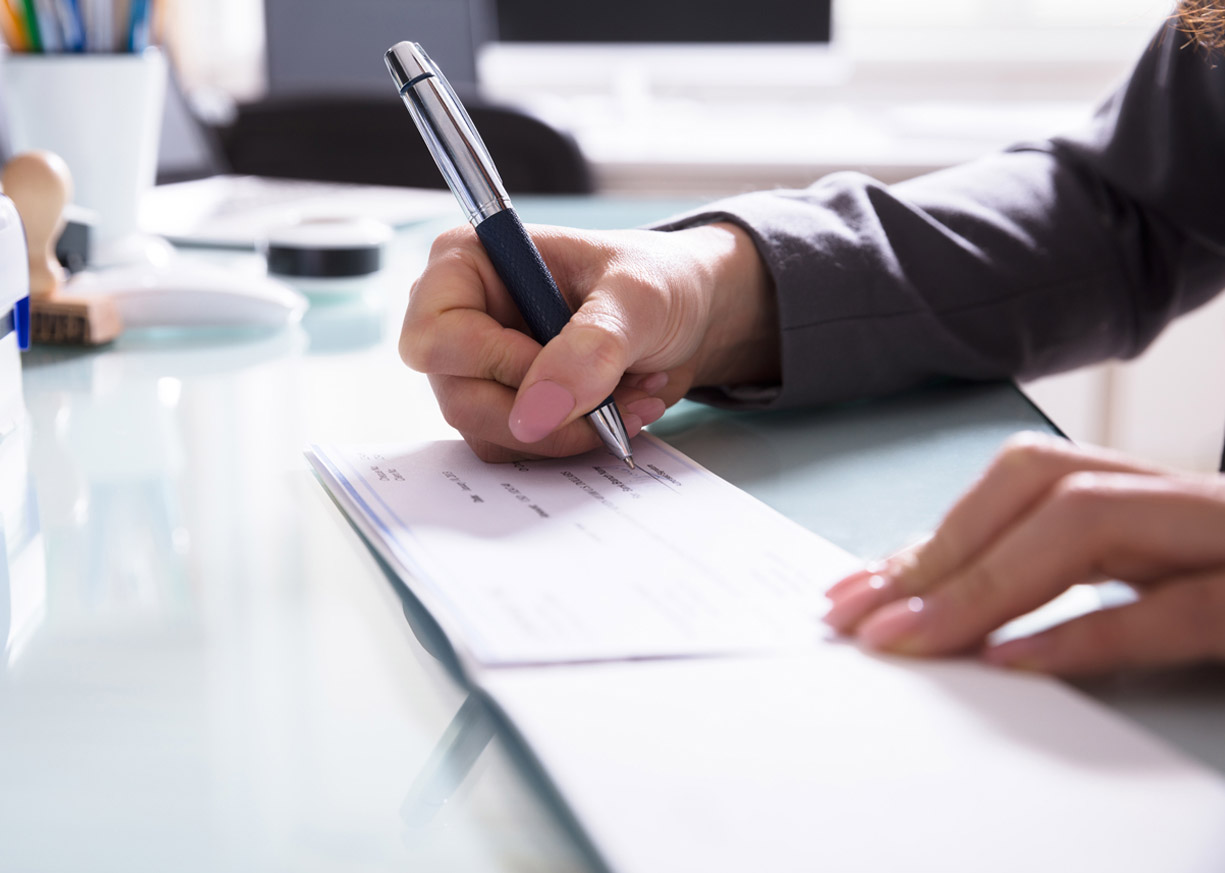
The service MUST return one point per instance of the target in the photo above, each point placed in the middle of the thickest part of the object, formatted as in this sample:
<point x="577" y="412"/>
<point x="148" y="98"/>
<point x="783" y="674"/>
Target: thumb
<point x="575" y="371"/>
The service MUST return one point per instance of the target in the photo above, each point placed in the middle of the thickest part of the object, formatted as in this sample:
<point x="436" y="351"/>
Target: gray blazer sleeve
<point x="1038" y="259"/>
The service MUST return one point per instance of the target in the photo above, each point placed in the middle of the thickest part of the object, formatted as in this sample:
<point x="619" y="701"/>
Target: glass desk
<point x="207" y="669"/>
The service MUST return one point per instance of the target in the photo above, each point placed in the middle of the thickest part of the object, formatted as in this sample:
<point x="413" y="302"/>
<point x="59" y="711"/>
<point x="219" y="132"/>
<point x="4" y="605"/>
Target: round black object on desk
<point x="327" y="249"/>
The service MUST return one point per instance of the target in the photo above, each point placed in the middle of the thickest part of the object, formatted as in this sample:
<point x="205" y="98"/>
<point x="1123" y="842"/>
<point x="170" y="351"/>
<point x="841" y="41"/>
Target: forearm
<point x="1020" y="264"/>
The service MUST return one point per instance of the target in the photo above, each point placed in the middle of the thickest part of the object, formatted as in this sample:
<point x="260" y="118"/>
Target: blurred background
<point x="776" y="97"/>
<point x="695" y="99"/>
<point x="695" y="96"/>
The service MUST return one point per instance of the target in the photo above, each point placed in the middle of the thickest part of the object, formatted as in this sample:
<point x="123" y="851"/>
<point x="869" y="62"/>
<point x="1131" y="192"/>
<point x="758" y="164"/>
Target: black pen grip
<point x="522" y="270"/>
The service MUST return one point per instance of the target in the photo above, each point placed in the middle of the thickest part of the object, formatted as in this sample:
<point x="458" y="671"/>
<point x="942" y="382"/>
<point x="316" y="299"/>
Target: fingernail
<point x="539" y="410"/>
<point x="649" y="409"/>
<point x="893" y="625"/>
<point x="1025" y="653"/>
<point x="654" y="383"/>
<point x="873" y="569"/>
<point x="855" y="600"/>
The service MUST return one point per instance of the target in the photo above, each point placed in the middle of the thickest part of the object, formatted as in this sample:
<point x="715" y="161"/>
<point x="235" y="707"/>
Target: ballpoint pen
<point x="469" y="171"/>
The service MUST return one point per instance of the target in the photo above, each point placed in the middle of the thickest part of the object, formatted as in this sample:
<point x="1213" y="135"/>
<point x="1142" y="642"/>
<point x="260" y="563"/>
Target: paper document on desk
<point x="836" y="760"/>
<point x="582" y="559"/>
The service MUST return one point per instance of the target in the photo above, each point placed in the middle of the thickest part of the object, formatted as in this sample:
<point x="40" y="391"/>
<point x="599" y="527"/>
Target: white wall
<point x="217" y="45"/>
<point x="1167" y="406"/>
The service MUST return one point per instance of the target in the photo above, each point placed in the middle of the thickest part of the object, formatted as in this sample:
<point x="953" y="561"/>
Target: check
<point x="582" y="559"/>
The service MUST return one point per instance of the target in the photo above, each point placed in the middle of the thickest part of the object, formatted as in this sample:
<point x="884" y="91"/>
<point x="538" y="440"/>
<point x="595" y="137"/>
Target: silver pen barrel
<point x="448" y="132"/>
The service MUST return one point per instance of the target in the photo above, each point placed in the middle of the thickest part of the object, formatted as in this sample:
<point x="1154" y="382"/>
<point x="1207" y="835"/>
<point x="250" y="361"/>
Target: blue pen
<point x="71" y="25"/>
<point x="138" y="33"/>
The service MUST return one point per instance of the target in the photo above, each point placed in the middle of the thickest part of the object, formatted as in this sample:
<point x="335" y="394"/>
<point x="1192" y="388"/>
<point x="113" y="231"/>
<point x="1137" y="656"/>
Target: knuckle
<point x="1030" y="450"/>
<point x="416" y="347"/>
<point x="1078" y="502"/>
<point x="412" y="289"/>
<point x="1032" y="440"/>
<point x="916" y="569"/>
<point x="500" y="362"/>
<point x="983" y="583"/>
<point x="600" y="345"/>
<point x="1081" y="494"/>
<point x="458" y="237"/>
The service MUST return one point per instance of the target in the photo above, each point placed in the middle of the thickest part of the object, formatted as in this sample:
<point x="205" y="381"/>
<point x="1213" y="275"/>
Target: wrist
<point x="742" y="342"/>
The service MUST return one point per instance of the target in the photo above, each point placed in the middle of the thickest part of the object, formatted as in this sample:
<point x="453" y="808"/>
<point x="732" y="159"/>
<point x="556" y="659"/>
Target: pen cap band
<point x="448" y="132"/>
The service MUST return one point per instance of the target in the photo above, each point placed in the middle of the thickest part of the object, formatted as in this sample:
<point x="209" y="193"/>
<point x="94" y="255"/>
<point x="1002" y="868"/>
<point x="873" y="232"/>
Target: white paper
<point x="583" y="559"/>
<point x="838" y="760"/>
<point x="815" y="756"/>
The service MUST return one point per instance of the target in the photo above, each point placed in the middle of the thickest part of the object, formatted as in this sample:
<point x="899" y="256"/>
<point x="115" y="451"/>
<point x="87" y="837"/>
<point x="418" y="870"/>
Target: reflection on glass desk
<point x="218" y="674"/>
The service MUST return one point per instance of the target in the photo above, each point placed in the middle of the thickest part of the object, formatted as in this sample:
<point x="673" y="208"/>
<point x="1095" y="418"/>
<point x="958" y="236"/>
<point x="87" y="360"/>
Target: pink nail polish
<point x="893" y="625"/>
<point x="649" y="409"/>
<point x="834" y="591"/>
<point x="539" y="410"/>
<point x="855" y="600"/>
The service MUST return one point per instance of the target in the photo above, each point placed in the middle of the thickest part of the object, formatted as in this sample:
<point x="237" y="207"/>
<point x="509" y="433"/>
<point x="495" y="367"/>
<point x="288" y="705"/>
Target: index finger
<point x="460" y="321"/>
<point x="1091" y="526"/>
<point x="1022" y="474"/>
<point x="1017" y="480"/>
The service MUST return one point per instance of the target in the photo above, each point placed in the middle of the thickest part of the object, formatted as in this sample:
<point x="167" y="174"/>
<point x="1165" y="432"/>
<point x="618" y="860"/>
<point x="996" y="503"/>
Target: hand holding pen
<point x="656" y="314"/>
<point x="461" y="156"/>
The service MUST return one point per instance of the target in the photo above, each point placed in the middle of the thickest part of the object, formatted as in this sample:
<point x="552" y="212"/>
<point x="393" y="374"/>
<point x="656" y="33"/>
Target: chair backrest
<point x="369" y="140"/>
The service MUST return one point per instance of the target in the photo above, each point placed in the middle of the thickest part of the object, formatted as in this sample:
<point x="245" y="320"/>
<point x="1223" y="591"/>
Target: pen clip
<point x="448" y="131"/>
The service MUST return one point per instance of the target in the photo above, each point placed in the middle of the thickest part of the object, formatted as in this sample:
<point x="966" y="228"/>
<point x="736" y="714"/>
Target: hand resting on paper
<point x="654" y="315"/>
<point x="659" y="313"/>
<point x="1047" y="515"/>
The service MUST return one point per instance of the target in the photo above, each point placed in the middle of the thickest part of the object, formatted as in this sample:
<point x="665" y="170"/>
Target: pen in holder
<point x="102" y="114"/>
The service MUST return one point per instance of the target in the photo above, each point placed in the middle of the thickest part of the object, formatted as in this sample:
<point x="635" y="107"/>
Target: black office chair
<point x="372" y="140"/>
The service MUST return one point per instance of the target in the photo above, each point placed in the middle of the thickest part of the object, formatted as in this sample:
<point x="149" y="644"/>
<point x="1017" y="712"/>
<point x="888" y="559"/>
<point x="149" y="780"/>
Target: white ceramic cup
<point x="102" y="113"/>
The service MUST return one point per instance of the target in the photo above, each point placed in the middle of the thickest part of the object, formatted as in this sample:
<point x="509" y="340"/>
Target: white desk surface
<point x="208" y="669"/>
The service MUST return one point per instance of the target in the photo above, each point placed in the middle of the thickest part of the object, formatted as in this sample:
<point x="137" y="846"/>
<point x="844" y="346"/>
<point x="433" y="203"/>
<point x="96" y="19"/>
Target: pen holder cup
<point x="101" y="113"/>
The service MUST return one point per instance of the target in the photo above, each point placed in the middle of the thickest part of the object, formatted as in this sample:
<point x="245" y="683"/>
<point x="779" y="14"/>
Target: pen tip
<point x="629" y="459"/>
